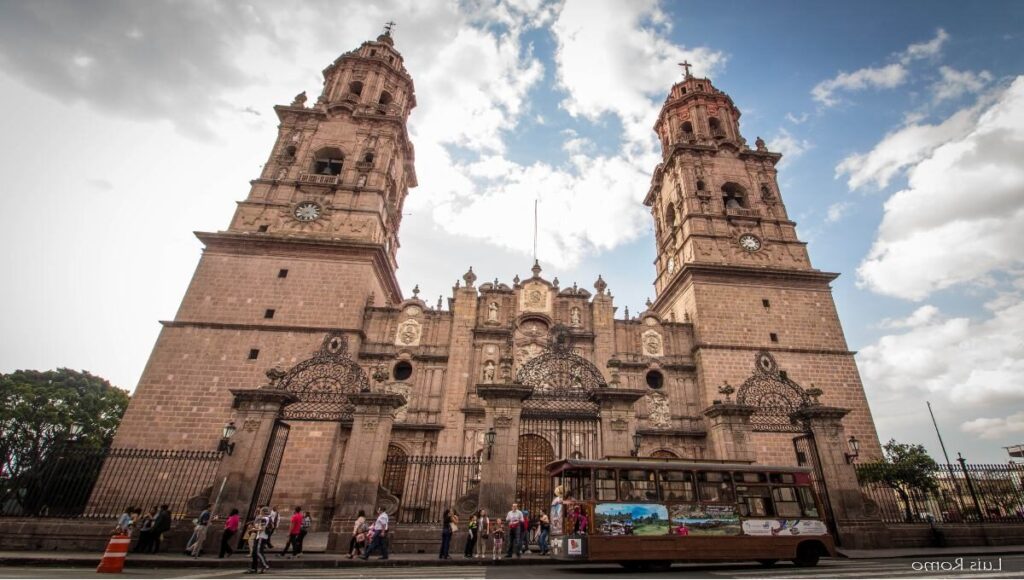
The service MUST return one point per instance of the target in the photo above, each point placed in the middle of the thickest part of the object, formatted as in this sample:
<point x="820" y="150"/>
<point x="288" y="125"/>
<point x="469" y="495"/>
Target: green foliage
<point x="907" y="468"/>
<point x="39" y="408"/>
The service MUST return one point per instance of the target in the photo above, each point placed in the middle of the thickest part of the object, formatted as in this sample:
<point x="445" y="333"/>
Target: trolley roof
<point x="561" y="465"/>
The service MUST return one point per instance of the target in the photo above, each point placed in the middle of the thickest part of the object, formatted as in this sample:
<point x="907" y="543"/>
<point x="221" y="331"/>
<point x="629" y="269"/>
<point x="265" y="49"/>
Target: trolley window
<point x="807" y="501"/>
<point x="576" y="484"/>
<point x="786" y="503"/>
<point x="677" y="485"/>
<point x="755" y="500"/>
<point x="782" y="478"/>
<point x="715" y="486"/>
<point x="637" y="485"/>
<point x="604" y="483"/>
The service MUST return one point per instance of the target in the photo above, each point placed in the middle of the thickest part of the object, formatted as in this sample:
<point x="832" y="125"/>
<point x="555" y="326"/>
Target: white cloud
<point x="790" y="146"/>
<point x="922" y="315"/>
<point x="836" y="211"/>
<point x="956" y="83"/>
<point x="960" y="218"/>
<point x="883" y="77"/>
<point x="996" y="428"/>
<point x="797" y="120"/>
<point x="969" y="362"/>
<point x="901" y="148"/>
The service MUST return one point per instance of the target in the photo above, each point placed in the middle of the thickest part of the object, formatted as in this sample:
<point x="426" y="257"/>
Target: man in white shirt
<point x="380" y="532"/>
<point x="514" y="519"/>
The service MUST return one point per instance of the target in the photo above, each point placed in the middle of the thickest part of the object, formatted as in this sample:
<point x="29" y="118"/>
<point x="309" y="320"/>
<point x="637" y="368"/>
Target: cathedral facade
<point x="343" y="394"/>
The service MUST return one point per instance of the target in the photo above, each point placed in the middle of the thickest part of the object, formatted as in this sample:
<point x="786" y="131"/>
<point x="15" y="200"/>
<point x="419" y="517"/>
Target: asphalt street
<point x="989" y="566"/>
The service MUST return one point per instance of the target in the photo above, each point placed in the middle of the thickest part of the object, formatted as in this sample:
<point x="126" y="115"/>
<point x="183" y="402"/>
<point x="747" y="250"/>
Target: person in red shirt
<point x="230" y="529"/>
<point x="294" y="533"/>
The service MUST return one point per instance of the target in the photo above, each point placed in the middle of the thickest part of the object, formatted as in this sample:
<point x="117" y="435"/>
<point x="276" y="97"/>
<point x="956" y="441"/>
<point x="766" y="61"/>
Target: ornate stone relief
<point x="405" y="390"/>
<point x="408" y="333"/>
<point x="535" y="297"/>
<point x="619" y="424"/>
<point x="488" y="372"/>
<point x="413" y="311"/>
<point x="659" y="413"/>
<point x="652" y="344"/>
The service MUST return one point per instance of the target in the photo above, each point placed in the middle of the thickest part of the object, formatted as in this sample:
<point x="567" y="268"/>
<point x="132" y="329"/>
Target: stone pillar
<point x="503" y="406"/>
<point x="856" y="529"/>
<point x="618" y="419"/>
<point x="729" y="432"/>
<point x="363" y="465"/>
<point x="256" y="411"/>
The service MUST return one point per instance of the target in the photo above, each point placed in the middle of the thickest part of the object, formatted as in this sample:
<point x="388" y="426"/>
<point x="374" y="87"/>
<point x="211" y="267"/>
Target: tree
<point x="907" y="468"/>
<point x="37" y="412"/>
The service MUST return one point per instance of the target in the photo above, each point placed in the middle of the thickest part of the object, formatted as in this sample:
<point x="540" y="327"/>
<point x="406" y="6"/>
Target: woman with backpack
<point x="359" y="537"/>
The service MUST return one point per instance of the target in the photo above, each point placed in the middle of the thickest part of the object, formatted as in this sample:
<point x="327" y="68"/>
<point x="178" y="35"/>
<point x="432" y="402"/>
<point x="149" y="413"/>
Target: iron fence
<point x="100" y="483"/>
<point x="426" y="486"/>
<point x="972" y="493"/>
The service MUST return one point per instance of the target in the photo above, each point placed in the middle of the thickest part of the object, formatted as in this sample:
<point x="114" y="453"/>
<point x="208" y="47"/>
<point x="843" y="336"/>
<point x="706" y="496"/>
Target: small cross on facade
<point x="388" y="26"/>
<point x="686" y="67"/>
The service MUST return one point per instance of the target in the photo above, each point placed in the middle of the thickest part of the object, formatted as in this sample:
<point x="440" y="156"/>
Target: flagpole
<point x="535" y="229"/>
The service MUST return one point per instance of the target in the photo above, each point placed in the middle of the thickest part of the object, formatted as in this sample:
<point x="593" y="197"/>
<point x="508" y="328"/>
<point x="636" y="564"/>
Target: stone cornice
<point x="614" y="395"/>
<point x="386" y="400"/>
<point x="262" y="244"/>
<point x="489" y="392"/>
<point x="811" y="412"/>
<point x="774" y="348"/>
<point x="672" y="432"/>
<point x="273" y="397"/>
<point x="690" y="271"/>
<point x="729" y="410"/>
<point x="259" y="327"/>
<point x="417" y="427"/>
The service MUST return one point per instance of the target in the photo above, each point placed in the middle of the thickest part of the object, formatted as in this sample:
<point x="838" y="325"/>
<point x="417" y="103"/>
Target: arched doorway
<point x="533" y="484"/>
<point x="395" y="468"/>
<point x="664" y="454"/>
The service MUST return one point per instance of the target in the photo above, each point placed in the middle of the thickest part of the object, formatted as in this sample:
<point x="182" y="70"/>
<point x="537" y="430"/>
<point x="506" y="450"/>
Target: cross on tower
<point x="388" y="26"/>
<point x="686" y="67"/>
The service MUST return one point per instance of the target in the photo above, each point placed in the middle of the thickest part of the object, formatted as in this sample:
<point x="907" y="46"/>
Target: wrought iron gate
<point x="270" y="468"/>
<point x="570" y="438"/>
<point x="533" y="484"/>
<point x="807" y="456"/>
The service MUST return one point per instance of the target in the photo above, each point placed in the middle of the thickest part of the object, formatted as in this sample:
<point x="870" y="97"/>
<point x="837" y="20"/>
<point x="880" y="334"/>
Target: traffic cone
<point x="113" y="558"/>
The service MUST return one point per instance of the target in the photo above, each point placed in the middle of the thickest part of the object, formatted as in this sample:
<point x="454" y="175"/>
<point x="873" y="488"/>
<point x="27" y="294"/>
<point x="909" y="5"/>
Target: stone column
<point x="618" y="419"/>
<point x="362" y="467"/>
<point x="256" y="410"/>
<point x="729" y="432"/>
<point x="856" y="529"/>
<point x="503" y="406"/>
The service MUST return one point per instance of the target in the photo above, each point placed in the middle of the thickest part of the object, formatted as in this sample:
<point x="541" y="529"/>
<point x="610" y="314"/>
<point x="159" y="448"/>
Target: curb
<point x="237" y="563"/>
<point x="923" y="553"/>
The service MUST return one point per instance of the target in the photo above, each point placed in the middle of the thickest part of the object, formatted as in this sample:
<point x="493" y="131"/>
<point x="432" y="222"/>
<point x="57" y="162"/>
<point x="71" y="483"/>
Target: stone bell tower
<point x="311" y="246"/>
<point x="729" y="261"/>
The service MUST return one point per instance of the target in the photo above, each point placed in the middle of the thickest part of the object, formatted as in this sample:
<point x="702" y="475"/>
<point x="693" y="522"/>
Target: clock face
<point x="307" y="211"/>
<point x="750" y="243"/>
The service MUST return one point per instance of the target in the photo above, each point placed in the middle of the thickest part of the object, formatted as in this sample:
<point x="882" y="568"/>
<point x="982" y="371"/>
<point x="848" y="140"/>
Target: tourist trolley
<point x="649" y="512"/>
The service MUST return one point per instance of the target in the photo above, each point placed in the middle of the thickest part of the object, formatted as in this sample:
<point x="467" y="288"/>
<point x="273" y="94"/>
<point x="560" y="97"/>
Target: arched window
<point x="670" y="217"/>
<point x="328" y="161"/>
<point x="766" y="192"/>
<point x="385" y="98"/>
<point x="356" y="88"/>
<point x="402" y="370"/>
<point x="368" y="157"/>
<point x="664" y="454"/>
<point x="687" y="131"/>
<point x="395" y="468"/>
<point x="733" y="196"/>
<point x="716" y="128"/>
<point x="700" y="185"/>
<point x="289" y="151"/>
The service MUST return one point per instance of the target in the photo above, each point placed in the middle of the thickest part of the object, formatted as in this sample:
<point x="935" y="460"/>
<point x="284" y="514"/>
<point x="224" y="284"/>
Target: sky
<point x="129" y="125"/>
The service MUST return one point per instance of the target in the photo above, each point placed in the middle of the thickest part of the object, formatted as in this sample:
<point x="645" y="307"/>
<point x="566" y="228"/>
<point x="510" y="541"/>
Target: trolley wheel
<point x="807" y="555"/>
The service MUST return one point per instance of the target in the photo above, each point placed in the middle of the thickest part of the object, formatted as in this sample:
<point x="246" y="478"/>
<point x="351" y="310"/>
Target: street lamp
<point x="489" y="438"/>
<point x="637" y="439"/>
<point x="854" y="452"/>
<point x="225" y="445"/>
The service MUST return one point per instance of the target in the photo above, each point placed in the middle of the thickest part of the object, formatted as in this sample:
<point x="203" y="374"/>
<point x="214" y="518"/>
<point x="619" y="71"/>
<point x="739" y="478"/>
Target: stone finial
<point x="648" y="304"/>
<point x="814" y="393"/>
<point x="300" y="100"/>
<point x="536" y="269"/>
<point x="416" y="291"/>
<point x="440" y="302"/>
<point x="727" y="390"/>
<point x="759" y="143"/>
<point x="469" y="277"/>
<point x="458" y="284"/>
<point x="686" y="316"/>
<point x="575" y="288"/>
<point x="380" y="374"/>
<point x="516" y="280"/>
<point x="627" y="313"/>
<point x="555" y="282"/>
<point x="495" y="283"/>
<point x="600" y="285"/>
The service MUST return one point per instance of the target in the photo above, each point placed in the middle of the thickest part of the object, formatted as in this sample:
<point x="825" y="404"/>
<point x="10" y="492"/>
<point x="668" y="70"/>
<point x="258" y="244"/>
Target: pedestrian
<point x="357" y="543"/>
<point x="483" y="530"/>
<point x="472" y="534"/>
<point x="304" y="528"/>
<point x="449" y="525"/>
<point x="545" y="532"/>
<point x="274" y="520"/>
<point x="515" y="530"/>
<point x="294" y="531"/>
<point x="161" y="523"/>
<point x="259" y="542"/>
<point x="380" y="532"/>
<point x="524" y="536"/>
<point x="145" y="532"/>
<point x="124" y="522"/>
<point x="195" y="547"/>
<point x="499" y="539"/>
<point x="230" y="529"/>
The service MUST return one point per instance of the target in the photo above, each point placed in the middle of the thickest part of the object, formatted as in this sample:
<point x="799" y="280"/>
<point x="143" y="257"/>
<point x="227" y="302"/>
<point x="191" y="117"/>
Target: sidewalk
<point x="929" y="552"/>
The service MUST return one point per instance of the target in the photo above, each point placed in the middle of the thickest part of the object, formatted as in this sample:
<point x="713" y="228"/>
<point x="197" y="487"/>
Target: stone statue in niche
<point x="492" y="312"/>
<point x="282" y="173"/>
<point x="300" y="100"/>
<point x="488" y="377"/>
<point x="575" y="316"/>
<point x="671" y="265"/>
<point x="659" y="413"/>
